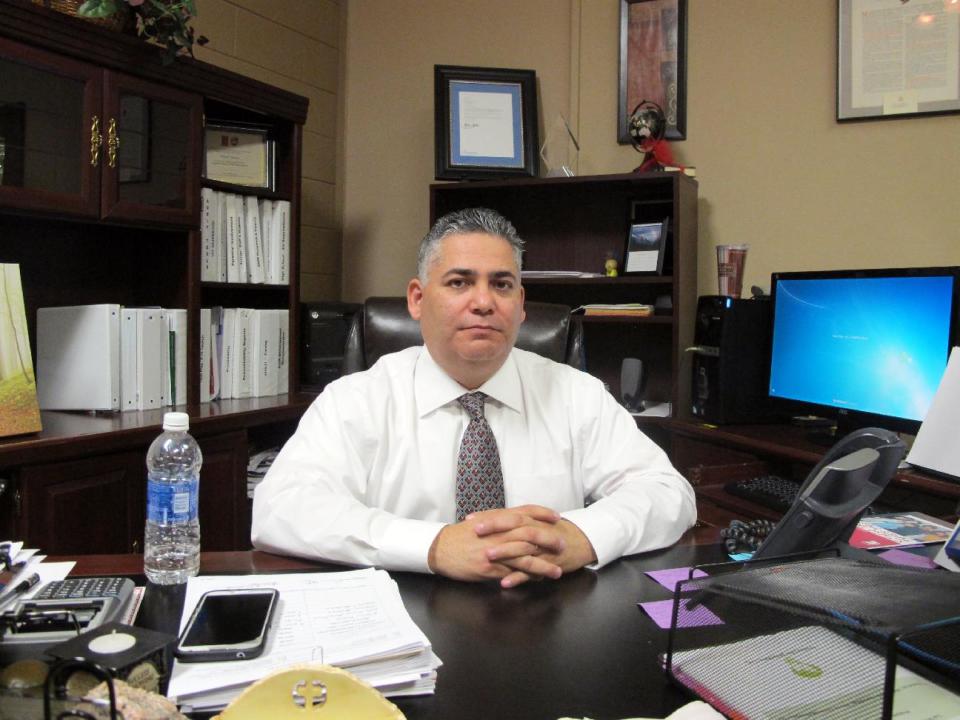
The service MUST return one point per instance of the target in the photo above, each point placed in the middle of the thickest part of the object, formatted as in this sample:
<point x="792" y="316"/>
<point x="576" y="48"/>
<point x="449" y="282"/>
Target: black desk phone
<point x="61" y="610"/>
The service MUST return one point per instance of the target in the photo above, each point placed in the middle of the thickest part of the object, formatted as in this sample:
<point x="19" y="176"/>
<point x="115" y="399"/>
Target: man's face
<point x="471" y="307"/>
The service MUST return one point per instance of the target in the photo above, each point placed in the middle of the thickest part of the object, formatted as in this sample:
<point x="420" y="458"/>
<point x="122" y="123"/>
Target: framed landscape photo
<point x="897" y="59"/>
<point x="646" y="248"/>
<point x="238" y="154"/>
<point x="485" y="123"/>
<point x="653" y="63"/>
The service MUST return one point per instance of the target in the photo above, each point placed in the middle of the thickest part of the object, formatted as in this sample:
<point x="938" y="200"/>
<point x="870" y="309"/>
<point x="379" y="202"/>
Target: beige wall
<point x="775" y="168"/>
<point x="294" y="45"/>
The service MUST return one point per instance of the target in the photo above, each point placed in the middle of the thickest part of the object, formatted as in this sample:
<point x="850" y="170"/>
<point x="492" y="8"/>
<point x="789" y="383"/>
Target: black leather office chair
<point x="384" y="326"/>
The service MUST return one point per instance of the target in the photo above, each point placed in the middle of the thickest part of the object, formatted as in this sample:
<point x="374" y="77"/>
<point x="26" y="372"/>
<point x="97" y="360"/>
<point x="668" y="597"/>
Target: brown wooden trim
<point x="68" y="435"/>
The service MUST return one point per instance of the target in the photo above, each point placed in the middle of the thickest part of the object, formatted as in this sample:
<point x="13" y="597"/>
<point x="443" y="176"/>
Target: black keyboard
<point x="771" y="491"/>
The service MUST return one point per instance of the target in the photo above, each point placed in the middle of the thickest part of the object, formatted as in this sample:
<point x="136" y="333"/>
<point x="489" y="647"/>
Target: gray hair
<point x="469" y="220"/>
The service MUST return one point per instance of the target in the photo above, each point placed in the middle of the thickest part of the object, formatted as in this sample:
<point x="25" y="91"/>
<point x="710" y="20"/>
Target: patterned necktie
<point x="479" y="478"/>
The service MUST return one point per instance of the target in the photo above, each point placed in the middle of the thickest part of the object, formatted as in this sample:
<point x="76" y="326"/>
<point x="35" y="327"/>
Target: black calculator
<point x="63" y="609"/>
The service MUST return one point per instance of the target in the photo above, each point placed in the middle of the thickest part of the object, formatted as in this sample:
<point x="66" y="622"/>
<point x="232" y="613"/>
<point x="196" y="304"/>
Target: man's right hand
<point x="458" y="551"/>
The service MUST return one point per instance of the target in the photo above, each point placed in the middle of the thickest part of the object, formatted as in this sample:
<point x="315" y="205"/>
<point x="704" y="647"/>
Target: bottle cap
<point x="176" y="421"/>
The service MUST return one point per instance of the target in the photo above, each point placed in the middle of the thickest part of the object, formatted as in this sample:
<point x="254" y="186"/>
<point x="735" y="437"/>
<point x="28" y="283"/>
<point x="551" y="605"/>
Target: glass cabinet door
<point x="152" y="150"/>
<point x="49" y="131"/>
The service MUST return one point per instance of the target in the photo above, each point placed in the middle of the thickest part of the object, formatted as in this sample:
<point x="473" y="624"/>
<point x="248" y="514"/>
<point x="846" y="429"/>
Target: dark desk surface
<point x="578" y="647"/>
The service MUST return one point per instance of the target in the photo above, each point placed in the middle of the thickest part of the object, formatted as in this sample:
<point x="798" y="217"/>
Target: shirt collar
<point x="433" y="388"/>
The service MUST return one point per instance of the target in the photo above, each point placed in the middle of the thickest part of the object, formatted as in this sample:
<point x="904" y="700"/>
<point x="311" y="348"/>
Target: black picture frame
<point x="646" y="248"/>
<point x="502" y="103"/>
<point x="921" y="67"/>
<point x="653" y="63"/>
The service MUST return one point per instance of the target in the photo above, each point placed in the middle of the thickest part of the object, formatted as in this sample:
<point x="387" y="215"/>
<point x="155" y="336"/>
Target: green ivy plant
<point x="167" y="22"/>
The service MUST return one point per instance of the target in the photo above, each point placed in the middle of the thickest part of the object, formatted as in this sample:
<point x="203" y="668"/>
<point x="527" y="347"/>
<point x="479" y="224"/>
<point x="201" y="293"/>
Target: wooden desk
<point x="578" y="647"/>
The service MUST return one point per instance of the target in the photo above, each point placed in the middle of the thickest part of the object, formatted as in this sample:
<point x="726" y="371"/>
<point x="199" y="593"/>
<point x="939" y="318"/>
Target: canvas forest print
<point x="19" y="412"/>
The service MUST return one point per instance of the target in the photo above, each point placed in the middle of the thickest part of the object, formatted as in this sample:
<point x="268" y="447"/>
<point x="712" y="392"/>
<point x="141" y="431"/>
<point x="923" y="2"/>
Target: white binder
<point x="265" y="334"/>
<point x="151" y="352"/>
<point x="78" y="357"/>
<point x="129" y="334"/>
<point x="936" y="447"/>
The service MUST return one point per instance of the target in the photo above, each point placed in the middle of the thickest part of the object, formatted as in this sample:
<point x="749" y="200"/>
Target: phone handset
<point x="835" y="494"/>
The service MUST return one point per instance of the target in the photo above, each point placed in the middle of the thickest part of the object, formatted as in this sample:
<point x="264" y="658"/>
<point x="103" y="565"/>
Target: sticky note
<point x="902" y="557"/>
<point x="661" y="612"/>
<point x="669" y="578"/>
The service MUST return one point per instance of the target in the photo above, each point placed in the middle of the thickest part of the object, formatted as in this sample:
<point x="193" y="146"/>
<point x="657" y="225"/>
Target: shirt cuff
<point x="598" y="532"/>
<point x="406" y="544"/>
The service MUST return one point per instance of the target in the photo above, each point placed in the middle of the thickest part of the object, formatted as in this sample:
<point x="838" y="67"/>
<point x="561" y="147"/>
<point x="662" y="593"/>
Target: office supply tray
<point x="827" y="638"/>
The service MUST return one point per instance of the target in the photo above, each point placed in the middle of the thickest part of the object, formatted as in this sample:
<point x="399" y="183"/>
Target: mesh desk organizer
<point x="826" y="638"/>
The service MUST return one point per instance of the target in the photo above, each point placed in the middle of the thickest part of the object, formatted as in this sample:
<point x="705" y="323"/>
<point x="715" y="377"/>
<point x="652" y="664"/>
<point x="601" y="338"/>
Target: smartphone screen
<point x="228" y="624"/>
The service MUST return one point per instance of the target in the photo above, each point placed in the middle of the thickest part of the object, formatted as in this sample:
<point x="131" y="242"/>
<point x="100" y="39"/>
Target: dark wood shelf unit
<point x="710" y="456"/>
<point x="87" y="230"/>
<point x="574" y="223"/>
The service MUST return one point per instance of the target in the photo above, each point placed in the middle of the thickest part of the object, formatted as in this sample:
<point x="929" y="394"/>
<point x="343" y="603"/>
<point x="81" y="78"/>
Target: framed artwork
<point x="239" y="155"/>
<point x="897" y="59"/>
<point x="653" y="62"/>
<point x="485" y="123"/>
<point x="646" y="248"/>
<point x="19" y="410"/>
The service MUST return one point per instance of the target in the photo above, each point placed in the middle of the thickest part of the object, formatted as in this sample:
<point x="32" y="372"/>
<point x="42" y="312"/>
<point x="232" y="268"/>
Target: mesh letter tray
<point x="822" y="639"/>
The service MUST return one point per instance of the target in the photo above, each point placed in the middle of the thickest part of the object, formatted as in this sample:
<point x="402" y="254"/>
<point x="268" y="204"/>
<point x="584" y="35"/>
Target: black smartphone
<point x="228" y="625"/>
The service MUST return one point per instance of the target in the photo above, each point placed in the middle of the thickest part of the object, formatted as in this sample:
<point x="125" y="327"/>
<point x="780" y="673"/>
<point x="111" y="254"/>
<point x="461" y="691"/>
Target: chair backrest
<point x="384" y="326"/>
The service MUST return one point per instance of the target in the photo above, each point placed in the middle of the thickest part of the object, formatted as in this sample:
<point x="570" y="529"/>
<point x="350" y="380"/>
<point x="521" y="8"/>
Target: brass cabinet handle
<point x="113" y="143"/>
<point x="95" y="140"/>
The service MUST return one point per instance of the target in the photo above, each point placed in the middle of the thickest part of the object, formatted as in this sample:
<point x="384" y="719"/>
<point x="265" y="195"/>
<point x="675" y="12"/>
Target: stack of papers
<point x="617" y="309"/>
<point x="547" y="274"/>
<point x="355" y="620"/>
<point x="23" y="572"/>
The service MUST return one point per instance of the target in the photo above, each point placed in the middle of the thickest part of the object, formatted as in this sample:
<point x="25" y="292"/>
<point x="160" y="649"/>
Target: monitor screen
<point x="866" y="347"/>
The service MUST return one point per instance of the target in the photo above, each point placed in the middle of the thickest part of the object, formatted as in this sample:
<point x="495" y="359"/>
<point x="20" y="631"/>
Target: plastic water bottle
<point x="171" y="539"/>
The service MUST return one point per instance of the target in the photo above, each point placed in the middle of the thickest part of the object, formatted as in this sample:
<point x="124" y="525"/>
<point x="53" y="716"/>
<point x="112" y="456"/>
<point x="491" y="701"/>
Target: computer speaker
<point x="631" y="384"/>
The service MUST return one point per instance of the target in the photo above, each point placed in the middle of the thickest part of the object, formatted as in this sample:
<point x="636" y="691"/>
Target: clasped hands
<point x="512" y="545"/>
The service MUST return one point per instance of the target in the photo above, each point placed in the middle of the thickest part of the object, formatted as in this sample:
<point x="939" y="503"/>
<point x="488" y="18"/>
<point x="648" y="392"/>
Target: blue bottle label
<point x="174" y="502"/>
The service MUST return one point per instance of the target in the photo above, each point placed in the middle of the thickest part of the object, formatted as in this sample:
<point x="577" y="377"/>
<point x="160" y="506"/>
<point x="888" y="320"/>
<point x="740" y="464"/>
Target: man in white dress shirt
<point x="370" y="475"/>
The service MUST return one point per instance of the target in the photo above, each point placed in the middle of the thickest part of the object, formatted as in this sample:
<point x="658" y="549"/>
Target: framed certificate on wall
<point x="485" y="123"/>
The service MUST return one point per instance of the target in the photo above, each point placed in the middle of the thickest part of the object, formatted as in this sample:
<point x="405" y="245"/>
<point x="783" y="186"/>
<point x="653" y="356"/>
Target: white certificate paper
<point x="486" y="124"/>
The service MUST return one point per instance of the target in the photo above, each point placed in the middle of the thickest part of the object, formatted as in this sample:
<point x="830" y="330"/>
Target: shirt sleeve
<point x="311" y="502"/>
<point x="636" y="500"/>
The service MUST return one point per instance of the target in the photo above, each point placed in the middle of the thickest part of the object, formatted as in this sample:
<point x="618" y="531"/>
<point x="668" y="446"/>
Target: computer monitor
<point x="862" y="347"/>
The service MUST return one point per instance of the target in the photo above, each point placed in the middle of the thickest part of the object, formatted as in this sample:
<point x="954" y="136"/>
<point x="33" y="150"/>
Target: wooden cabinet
<point x="93" y="143"/>
<point x="91" y="505"/>
<point x="575" y="224"/>
<point x="100" y="178"/>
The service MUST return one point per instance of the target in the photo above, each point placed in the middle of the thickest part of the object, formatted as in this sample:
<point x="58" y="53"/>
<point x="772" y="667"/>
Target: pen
<point x="18" y="589"/>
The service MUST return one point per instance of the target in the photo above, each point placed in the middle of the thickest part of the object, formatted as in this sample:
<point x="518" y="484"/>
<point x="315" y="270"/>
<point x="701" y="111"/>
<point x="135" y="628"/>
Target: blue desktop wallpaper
<point x="877" y="345"/>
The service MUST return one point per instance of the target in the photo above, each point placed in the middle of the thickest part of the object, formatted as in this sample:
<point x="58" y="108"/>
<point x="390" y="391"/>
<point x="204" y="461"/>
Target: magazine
<point x="897" y="530"/>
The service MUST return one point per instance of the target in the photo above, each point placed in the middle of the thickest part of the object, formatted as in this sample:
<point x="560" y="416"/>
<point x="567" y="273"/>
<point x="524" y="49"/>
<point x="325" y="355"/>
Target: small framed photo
<point x="239" y="155"/>
<point x="646" y="248"/>
<point x="485" y="123"/>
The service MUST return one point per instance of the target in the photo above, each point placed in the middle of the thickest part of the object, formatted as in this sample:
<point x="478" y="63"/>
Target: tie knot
<point x="473" y="404"/>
